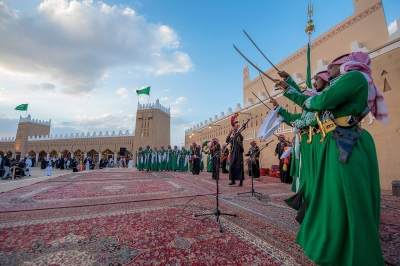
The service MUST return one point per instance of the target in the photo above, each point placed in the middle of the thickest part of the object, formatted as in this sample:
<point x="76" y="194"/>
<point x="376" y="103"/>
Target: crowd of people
<point x="79" y="163"/>
<point x="20" y="168"/>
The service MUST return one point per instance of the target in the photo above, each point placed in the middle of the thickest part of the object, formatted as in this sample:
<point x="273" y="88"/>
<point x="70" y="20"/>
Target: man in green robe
<point x="208" y="155"/>
<point x="162" y="158"/>
<point x="147" y="158"/>
<point x="191" y="156"/>
<point x="169" y="154"/>
<point x="173" y="159"/>
<point x="341" y="223"/>
<point x="302" y="150"/>
<point x="155" y="165"/>
<point x="183" y="160"/>
<point x="139" y="159"/>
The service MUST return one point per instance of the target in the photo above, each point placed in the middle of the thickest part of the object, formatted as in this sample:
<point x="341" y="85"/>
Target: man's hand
<point x="274" y="102"/>
<point x="283" y="74"/>
<point x="282" y="85"/>
<point x="276" y="154"/>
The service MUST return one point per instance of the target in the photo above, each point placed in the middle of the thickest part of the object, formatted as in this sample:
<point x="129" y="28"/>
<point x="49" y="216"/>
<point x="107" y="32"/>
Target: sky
<point x="79" y="63"/>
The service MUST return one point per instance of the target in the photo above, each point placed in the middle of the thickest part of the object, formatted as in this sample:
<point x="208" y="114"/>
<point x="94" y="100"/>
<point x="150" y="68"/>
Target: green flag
<point x="144" y="91"/>
<point x="308" y="78"/>
<point x="22" y="107"/>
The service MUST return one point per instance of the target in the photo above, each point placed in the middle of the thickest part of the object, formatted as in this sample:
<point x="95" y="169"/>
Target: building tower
<point x="152" y="126"/>
<point x="28" y="127"/>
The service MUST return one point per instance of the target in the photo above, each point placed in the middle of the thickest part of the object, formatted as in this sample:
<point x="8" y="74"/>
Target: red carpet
<point x="119" y="217"/>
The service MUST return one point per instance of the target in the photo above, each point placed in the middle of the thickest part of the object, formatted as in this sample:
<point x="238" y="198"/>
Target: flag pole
<point x="310" y="28"/>
<point x="26" y="111"/>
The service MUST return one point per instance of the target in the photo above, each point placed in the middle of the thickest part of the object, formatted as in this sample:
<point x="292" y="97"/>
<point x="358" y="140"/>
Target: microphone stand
<point x="217" y="212"/>
<point x="252" y="191"/>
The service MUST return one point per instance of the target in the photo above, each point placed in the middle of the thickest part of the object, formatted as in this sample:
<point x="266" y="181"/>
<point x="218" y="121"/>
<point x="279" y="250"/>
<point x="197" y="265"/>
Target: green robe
<point x="183" y="160"/>
<point x="201" y="162"/>
<point x="155" y="165"/>
<point x="162" y="156"/>
<point x="190" y="152"/>
<point x="173" y="160"/>
<point x="139" y="160"/>
<point x="147" y="158"/>
<point x="169" y="163"/>
<point x="341" y="224"/>
<point x="209" y="165"/>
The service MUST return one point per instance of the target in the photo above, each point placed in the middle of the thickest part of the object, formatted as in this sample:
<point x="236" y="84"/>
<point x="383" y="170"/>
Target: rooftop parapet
<point x="36" y="121"/>
<point x="156" y="105"/>
<point x="77" y="136"/>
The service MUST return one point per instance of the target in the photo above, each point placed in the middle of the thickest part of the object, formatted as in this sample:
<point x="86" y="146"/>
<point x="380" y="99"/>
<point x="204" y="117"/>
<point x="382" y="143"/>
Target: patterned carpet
<point x="125" y="217"/>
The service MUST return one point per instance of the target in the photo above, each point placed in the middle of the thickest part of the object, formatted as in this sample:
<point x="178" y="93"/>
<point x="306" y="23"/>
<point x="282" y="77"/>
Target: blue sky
<point x="79" y="63"/>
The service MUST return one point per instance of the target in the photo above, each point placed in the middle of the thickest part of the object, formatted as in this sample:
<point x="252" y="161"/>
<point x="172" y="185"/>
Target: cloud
<point x="77" y="43"/>
<point x="44" y="86"/>
<point x="3" y="95"/>
<point x="8" y="127"/>
<point x="123" y="92"/>
<point x="179" y="100"/>
<point x="102" y="122"/>
<point x="392" y="27"/>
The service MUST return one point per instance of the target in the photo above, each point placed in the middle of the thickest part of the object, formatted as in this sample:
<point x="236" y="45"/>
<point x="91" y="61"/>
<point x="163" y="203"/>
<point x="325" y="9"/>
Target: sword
<point x="260" y="50"/>
<point x="265" y="86"/>
<point x="259" y="70"/>
<point x="262" y="101"/>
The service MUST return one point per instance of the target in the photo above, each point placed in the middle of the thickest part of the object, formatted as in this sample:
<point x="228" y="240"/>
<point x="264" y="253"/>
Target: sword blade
<point x="253" y="64"/>
<point x="264" y="85"/>
<point x="260" y="50"/>
<point x="262" y="101"/>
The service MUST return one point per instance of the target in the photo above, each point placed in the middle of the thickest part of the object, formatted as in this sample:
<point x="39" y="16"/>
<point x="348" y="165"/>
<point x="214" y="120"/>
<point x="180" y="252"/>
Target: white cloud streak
<point x="392" y="27"/>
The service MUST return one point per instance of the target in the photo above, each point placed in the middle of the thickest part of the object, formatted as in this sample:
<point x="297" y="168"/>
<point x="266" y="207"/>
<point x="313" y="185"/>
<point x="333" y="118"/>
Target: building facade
<point x="33" y="137"/>
<point x="366" y="31"/>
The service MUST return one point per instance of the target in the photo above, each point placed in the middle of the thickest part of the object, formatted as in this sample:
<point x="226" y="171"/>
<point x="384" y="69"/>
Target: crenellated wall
<point x="33" y="137"/>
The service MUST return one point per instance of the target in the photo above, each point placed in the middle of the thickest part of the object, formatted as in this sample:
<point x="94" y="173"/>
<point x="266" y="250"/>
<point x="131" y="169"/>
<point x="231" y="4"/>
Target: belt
<point x="325" y="128"/>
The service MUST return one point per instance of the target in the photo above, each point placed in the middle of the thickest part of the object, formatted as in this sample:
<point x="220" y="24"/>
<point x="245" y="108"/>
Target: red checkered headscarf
<point x="362" y="62"/>
<point x="323" y="75"/>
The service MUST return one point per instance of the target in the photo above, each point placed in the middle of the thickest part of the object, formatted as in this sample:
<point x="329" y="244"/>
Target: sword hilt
<point x="321" y="127"/>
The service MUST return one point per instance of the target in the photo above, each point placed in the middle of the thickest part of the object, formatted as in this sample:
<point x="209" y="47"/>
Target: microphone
<point x="245" y="123"/>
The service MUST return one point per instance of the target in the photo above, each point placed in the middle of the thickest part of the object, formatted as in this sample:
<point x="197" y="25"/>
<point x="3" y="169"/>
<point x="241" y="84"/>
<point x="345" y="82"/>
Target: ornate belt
<point x="325" y="128"/>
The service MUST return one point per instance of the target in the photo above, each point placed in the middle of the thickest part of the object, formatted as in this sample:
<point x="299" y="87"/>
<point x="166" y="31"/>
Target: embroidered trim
<point x="333" y="81"/>
<point x="306" y="119"/>
<point x="292" y="90"/>
<point x="307" y="103"/>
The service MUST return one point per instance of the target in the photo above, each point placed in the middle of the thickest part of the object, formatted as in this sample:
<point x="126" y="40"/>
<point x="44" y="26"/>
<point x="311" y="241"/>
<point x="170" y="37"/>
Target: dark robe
<point x="254" y="170"/>
<point x="196" y="160"/>
<point x="43" y="164"/>
<point x="74" y="164"/>
<point x="284" y="175"/>
<point x="236" y="168"/>
<point x="62" y="164"/>
<point x="215" y="161"/>
<point x="223" y="164"/>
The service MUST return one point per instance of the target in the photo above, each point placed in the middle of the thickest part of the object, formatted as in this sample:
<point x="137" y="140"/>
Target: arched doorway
<point x="53" y="154"/>
<point x="65" y="154"/>
<point x="42" y="155"/>
<point x="32" y="154"/>
<point x="107" y="154"/>
<point x="94" y="155"/>
<point x="78" y="154"/>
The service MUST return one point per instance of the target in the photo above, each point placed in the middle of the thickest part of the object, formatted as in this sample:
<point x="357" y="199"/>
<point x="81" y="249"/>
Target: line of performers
<point x="230" y="159"/>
